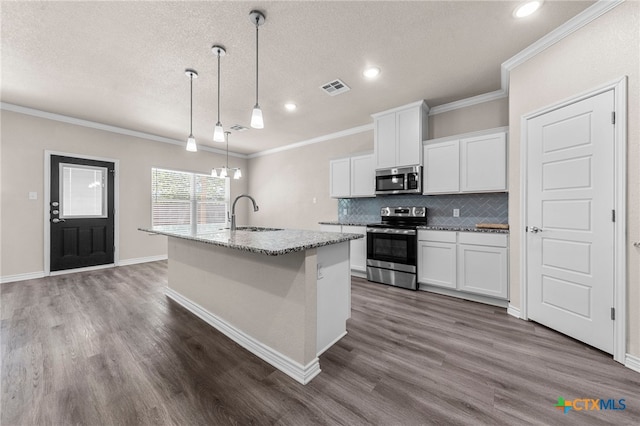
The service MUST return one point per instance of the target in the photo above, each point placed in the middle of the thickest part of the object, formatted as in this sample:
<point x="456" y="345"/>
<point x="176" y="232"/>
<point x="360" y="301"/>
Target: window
<point x="188" y="201"/>
<point x="83" y="191"/>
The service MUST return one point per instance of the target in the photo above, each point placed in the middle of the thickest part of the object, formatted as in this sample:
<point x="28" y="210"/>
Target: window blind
<point x="188" y="201"/>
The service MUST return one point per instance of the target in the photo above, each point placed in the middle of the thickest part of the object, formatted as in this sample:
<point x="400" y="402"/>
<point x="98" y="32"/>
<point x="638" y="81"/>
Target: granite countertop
<point x="269" y="241"/>
<point x="347" y="223"/>
<point x="463" y="229"/>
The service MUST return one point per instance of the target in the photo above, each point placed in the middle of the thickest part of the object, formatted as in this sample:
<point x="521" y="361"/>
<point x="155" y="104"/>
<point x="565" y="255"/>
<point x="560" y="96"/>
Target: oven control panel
<point x="403" y="212"/>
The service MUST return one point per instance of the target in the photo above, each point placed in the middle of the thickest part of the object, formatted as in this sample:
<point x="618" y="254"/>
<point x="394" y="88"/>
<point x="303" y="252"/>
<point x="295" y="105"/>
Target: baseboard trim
<point x="137" y="260"/>
<point x="463" y="295"/>
<point x="513" y="311"/>
<point x="300" y="373"/>
<point x="632" y="362"/>
<point x="22" y="277"/>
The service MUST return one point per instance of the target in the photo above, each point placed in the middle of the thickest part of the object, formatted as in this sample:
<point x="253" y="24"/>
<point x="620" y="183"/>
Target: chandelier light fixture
<point x="191" y="141"/>
<point x="224" y="171"/>
<point x="218" y="133"/>
<point x="257" y="18"/>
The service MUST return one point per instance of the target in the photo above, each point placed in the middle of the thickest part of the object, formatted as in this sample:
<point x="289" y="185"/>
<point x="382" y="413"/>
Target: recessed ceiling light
<point x="371" y="72"/>
<point x="527" y="8"/>
<point x="290" y="106"/>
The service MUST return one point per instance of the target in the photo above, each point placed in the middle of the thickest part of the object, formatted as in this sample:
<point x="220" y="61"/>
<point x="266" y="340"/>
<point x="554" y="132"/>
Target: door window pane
<point x="83" y="191"/>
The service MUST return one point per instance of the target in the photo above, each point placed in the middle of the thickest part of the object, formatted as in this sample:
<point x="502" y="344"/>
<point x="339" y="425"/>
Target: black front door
<point x="81" y="212"/>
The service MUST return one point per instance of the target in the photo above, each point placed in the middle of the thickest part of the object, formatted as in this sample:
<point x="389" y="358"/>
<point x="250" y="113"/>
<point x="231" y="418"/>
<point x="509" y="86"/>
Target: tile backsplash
<point x="474" y="208"/>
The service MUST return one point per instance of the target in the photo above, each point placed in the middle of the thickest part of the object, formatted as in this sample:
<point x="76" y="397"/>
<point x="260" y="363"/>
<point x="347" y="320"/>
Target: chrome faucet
<point x="233" y="209"/>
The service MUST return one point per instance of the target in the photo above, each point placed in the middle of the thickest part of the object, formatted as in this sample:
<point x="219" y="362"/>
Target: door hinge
<point x="613" y="117"/>
<point x="613" y="313"/>
<point x="613" y="215"/>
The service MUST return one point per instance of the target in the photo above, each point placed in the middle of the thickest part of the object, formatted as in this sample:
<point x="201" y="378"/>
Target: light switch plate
<point x="33" y="195"/>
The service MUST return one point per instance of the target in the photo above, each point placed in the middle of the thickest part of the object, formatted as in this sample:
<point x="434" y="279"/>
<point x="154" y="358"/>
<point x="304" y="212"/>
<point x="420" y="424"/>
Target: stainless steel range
<point x="392" y="246"/>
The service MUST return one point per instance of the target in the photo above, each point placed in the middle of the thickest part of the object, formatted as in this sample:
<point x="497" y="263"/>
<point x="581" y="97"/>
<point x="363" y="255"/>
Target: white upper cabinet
<point x="441" y="168"/>
<point x="483" y="162"/>
<point x="340" y="178"/>
<point x="385" y="141"/>
<point x="466" y="165"/>
<point x="363" y="176"/>
<point x="352" y="177"/>
<point x="398" y="135"/>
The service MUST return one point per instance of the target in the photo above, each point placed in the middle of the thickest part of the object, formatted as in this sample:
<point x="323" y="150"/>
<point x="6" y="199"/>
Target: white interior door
<point x="570" y="202"/>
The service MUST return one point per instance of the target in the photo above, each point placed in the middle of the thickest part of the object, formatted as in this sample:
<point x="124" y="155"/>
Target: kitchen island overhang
<point x="284" y="295"/>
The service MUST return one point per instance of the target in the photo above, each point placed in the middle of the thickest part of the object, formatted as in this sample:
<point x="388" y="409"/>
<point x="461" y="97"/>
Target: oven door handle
<point x="391" y="231"/>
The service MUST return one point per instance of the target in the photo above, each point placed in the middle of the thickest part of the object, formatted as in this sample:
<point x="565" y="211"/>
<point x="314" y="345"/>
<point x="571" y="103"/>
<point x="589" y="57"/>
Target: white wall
<point x="602" y="51"/>
<point x="24" y="141"/>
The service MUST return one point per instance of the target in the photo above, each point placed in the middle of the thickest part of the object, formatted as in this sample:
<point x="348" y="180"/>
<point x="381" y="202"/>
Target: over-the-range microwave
<point x="400" y="180"/>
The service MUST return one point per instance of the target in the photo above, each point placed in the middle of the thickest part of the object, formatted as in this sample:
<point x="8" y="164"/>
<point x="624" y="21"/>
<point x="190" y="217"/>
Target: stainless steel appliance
<point x="401" y="180"/>
<point x="392" y="246"/>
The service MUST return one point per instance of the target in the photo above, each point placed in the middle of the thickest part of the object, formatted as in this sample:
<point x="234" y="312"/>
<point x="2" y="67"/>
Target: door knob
<point x="535" y="230"/>
<point x="56" y="220"/>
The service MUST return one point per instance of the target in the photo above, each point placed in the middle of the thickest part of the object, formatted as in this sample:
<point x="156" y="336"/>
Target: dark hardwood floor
<point x="107" y="347"/>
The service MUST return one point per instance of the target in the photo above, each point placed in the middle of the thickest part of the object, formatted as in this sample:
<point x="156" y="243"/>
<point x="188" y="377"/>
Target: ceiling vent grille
<point x="335" y="87"/>
<point x="239" y="128"/>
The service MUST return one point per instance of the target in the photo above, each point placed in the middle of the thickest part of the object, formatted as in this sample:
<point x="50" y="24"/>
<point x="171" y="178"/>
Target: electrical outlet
<point x="33" y="195"/>
<point x="320" y="271"/>
<point x="456" y="212"/>
<point x="314" y="200"/>
<point x="345" y="212"/>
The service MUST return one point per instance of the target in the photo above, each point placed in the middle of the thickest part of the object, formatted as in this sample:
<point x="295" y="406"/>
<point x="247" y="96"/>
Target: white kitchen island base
<point x="286" y="309"/>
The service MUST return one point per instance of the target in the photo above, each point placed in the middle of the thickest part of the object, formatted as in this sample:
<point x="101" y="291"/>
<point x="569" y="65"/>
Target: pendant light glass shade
<point x="237" y="174"/>
<point x="223" y="172"/>
<point x="218" y="132"/>
<point x="214" y="173"/>
<point x="256" y="118"/>
<point x="257" y="18"/>
<point x="191" y="144"/>
<point x="191" y="141"/>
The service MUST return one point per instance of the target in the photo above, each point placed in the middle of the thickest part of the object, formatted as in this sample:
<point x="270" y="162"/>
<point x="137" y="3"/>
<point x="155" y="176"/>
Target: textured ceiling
<point x="122" y="63"/>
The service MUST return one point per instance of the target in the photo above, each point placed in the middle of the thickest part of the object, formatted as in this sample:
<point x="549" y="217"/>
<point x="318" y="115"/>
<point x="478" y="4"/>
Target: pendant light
<point x="218" y="133"/>
<point x="191" y="141"/>
<point x="225" y="170"/>
<point x="257" y="18"/>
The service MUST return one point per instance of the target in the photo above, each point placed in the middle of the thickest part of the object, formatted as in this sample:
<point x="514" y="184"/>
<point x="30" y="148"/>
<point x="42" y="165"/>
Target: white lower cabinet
<point x="469" y="262"/>
<point x="437" y="258"/>
<point x="357" y="248"/>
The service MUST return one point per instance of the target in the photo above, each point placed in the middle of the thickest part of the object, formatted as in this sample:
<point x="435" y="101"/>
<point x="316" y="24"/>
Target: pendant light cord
<point x="257" y="52"/>
<point x="227" y="151"/>
<point x="218" y="85"/>
<point x="191" y="108"/>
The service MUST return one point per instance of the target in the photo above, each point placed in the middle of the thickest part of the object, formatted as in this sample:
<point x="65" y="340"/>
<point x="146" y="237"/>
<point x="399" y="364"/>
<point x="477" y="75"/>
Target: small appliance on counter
<point x="392" y="246"/>
<point x="401" y="180"/>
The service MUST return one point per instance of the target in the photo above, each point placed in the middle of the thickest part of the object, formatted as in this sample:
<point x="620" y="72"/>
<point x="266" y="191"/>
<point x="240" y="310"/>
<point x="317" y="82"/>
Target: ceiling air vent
<point x="335" y="87"/>
<point x="239" y="128"/>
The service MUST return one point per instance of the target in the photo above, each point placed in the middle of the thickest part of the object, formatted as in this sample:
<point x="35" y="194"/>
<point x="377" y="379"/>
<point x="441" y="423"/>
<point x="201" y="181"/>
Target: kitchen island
<point x="282" y="294"/>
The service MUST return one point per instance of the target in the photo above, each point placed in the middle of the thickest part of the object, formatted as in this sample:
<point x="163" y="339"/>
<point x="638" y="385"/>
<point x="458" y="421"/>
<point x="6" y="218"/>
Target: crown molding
<point x="106" y="127"/>
<point x="572" y="25"/>
<point x="324" y="138"/>
<point x="475" y="100"/>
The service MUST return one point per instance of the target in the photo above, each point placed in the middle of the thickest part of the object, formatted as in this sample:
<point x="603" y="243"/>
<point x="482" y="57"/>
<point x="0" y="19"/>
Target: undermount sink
<point x="257" y="229"/>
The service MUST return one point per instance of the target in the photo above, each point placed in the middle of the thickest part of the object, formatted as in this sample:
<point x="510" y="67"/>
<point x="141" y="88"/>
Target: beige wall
<point x="24" y="141"/>
<point x="599" y="53"/>
<point x="285" y="183"/>
<point x="487" y="115"/>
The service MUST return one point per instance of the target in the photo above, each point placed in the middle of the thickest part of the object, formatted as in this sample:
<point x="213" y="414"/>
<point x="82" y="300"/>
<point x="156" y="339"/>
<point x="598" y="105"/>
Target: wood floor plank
<point x="108" y="347"/>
